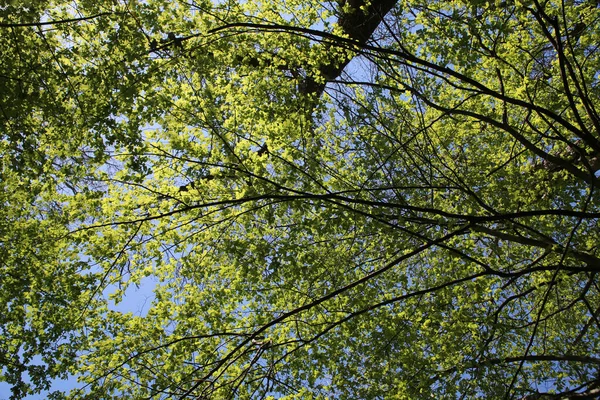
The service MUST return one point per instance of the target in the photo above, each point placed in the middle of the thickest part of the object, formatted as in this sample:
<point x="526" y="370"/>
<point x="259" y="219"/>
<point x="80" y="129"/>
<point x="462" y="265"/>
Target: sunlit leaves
<point x="422" y="226"/>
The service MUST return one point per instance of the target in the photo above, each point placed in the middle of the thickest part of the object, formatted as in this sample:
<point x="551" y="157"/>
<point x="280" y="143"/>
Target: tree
<point x="384" y="199"/>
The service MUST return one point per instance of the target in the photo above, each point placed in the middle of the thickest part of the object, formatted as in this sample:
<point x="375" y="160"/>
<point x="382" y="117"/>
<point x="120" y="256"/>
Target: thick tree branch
<point x="358" y="24"/>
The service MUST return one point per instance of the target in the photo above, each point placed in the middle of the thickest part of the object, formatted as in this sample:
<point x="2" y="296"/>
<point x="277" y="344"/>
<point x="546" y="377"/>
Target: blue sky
<point x="137" y="300"/>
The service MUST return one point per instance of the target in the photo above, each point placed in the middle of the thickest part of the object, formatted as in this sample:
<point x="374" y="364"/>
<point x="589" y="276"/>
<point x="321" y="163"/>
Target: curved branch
<point x="57" y="22"/>
<point x="331" y="295"/>
<point x="407" y="58"/>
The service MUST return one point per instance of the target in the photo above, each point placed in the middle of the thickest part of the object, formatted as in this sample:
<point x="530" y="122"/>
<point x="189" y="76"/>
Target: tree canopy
<point x="345" y="199"/>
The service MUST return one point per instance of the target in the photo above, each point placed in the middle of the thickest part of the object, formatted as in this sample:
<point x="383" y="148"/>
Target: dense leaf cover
<point x="354" y="199"/>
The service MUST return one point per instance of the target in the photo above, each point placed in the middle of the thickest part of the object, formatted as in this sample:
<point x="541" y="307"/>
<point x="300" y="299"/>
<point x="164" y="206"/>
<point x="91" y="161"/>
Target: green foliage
<point x="323" y="216"/>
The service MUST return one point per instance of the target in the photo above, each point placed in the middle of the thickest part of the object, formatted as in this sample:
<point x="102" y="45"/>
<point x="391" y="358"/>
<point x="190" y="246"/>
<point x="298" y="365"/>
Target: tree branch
<point x="57" y="22"/>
